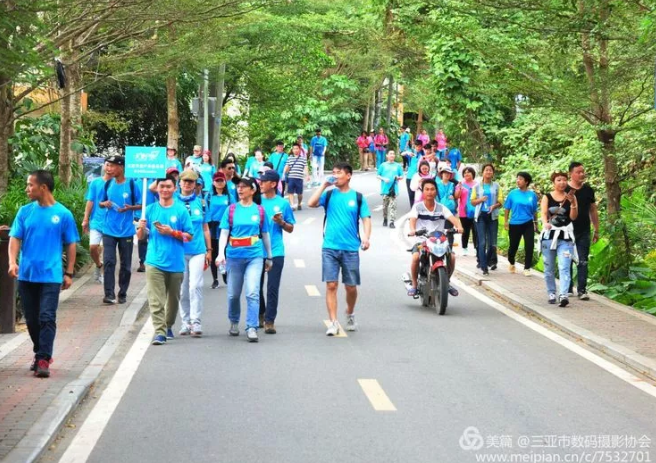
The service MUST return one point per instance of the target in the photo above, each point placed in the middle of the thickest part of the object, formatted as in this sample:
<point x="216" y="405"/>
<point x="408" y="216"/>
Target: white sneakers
<point x="333" y="328"/>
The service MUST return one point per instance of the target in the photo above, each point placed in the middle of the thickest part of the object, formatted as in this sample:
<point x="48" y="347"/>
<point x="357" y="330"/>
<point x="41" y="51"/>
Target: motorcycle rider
<point x="432" y="216"/>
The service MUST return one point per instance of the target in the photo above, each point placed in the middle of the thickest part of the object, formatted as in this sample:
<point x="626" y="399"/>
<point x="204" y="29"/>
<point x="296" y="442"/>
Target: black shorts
<point x="294" y="186"/>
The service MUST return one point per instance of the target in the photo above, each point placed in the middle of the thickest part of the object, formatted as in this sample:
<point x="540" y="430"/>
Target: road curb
<point x="37" y="439"/>
<point x="627" y="357"/>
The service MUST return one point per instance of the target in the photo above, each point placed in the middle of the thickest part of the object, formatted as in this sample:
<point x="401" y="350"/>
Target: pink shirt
<point x="441" y="141"/>
<point x="363" y="142"/>
<point x="464" y="198"/>
<point x="423" y="138"/>
<point x="380" y="140"/>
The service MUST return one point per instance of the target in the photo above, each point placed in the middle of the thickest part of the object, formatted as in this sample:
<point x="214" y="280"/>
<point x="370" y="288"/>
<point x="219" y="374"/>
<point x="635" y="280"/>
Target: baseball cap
<point x="189" y="175"/>
<point x="172" y="170"/>
<point x="116" y="159"/>
<point x="407" y="129"/>
<point x="170" y="148"/>
<point x="446" y="168"/>
<point x="270" y="176"/>
<point x="249" y="181"/>
<point x="219" y="176"/>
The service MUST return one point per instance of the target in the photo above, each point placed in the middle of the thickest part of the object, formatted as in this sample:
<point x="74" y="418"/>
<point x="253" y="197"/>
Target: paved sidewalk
<point x="623" y="333"/>
<point x="33" y="409"/>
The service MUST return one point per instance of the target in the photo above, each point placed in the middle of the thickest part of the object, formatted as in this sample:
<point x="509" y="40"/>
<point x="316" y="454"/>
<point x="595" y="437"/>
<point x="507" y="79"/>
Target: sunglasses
<point x="230" y="168"/>
<point x="189" y="181"/>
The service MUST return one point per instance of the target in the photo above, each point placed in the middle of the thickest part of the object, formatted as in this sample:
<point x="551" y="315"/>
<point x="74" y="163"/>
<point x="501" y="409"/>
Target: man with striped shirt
<point x="296" y="171"/>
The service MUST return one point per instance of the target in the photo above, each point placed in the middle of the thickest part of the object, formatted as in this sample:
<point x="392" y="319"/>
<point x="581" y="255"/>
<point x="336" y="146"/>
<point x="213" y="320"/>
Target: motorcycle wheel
<point x="440" y="290"/>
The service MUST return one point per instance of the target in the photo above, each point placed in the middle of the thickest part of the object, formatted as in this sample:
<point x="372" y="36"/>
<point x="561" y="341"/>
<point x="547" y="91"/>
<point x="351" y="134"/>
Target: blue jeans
<point x="487" y="232"/>
<point x="564" y="252"/>
<point x="380" y="157"/>
<point x="125" y="246"/>
<point x="244" y="273"/>
<point x="40" y="301"/>
<point x="332" y="261"/>
<point x="269" y="307"/>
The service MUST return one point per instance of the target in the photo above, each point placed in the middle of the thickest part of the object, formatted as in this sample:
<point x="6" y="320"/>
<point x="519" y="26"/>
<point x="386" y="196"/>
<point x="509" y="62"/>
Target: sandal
<point x="453" y="291"/>
<point x="412" y="292"/>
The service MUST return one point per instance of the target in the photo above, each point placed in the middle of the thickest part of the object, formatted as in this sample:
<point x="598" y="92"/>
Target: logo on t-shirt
<point x="255" y="218"/>
<point x="55" y="219"/>
<point x="125" y="195"/>
<point x="276" y="208"/>
<point x="197" y="212"/>
<point x="174" y="219"/>
<point x="351" y="203"/>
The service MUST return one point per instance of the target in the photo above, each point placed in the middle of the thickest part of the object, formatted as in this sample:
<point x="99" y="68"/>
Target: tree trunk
<point x="365" y="119"/>
<point x="372" y="110"/>
<point x="420" y="122"/>
<point x="6" y="129"/>
<point x="75" y="83"/>
<point x="218" y="116"/>
<point x="390" y="90"/>
<point x="173" y="118"/>
<point x="611" y="173"/>
<point x="378" y="108"/>
<point x="65" y="128"/>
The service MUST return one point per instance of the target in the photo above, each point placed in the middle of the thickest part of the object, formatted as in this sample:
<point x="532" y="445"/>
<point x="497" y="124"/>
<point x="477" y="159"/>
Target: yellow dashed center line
<point x="312" y="291"/>
<point x="342" y="332"/>
<point x="299" y="263"/>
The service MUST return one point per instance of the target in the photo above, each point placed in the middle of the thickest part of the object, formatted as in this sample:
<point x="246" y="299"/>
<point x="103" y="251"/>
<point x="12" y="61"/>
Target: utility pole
<point x="218" y="116"/>
<point x="205" y="110"/>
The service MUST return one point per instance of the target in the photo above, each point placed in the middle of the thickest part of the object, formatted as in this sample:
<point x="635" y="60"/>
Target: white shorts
<point x="95" y="237"/>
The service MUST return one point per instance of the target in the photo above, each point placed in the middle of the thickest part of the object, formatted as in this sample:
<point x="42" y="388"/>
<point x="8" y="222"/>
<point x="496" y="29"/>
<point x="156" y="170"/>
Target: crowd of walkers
<point x="233" y="221"/>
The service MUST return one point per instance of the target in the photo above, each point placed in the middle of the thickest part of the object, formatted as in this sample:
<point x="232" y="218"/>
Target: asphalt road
<point x="296" y="396"/>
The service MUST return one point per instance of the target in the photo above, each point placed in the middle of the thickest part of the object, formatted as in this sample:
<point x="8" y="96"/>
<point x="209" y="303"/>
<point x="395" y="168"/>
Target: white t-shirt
<point x="430" y="220"/>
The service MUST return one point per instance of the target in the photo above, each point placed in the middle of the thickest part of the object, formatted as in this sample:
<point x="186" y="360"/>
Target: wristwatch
<point x="69" y="275"/>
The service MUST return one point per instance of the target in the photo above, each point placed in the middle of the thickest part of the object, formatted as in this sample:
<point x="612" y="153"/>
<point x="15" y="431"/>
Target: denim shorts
<point x="294" y="186"/>
<point x="333" y="260"/>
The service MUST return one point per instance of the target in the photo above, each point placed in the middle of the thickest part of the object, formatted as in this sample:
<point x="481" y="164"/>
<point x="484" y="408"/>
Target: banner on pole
<point x="145" y="161"/>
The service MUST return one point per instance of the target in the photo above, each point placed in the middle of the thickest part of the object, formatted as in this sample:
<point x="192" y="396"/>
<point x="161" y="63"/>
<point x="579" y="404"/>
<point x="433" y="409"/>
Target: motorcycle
<point x="433" y="277"/>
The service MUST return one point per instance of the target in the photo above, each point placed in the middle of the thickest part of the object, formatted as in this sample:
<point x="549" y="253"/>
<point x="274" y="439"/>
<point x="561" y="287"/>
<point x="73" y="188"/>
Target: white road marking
<point x="376" y="395"/>
<point x="378" y="208"/>
<point x="342" y="331"/>
<point x="369" y="194"/>
<point x="567" y="344"/>
<point x="312" y="291"/>
<point x="93" y="427"/>
<point x="299" y="263"/>
<point x="309" y="220"/>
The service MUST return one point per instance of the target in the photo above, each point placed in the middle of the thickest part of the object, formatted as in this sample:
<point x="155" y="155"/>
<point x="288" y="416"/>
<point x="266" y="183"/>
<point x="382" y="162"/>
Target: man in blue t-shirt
<point x="281" y="218"/>
<point x="40" y="232"/>
<point x="168" y="224"/>
<point x="120" y="198"/>
<point x="389" y="173"/>
<point x="344" y="208"/>
<point x="94" y="217"/>
<point x="318" y="151"/>
<point x="455" y="158"/>
<point x="279" y="159"/>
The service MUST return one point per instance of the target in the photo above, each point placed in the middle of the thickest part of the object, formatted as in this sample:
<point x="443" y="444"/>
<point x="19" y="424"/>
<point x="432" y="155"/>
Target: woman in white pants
<point x="198" y="253"/>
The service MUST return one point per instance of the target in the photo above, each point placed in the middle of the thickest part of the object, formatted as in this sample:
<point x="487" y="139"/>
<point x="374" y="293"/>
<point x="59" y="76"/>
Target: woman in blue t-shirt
<point x="218" y="200"/>
<point x="243" y="245"/>
<point x="206" y="170"/>
<point x="521" y="206"/>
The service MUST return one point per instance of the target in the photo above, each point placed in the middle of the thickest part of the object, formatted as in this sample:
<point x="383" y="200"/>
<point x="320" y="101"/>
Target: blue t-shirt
<point x="272" y="206"/>
<point x="279" y="160"/>
<point x="390" y="171"/>
<point x="249" y="161"/>
<point x="245" y="223"/>
<point x="44" y="231"/>
<point x="150" y="197"/>
<point x="173" y="163"/>
<point x="194" y="160"/>
<point x="207" y="172"/>
<point x="165" y="252"/>
<point x="198" y="218"/>
<point x="232" y="189"/>
<point x="253" y="170"/>
<point x="95" y="191"/>
<point x="341" y="222"/>
<point x="454" y="156"/>
<point x="444" y="193"/>
<point x="319" y="145"/>
<point x="414" y="163"/>
<point x="403" y="142"/>
<point x="120" y="224"/>
<point x="522" y="206"/>
<point x="217" y="206"/>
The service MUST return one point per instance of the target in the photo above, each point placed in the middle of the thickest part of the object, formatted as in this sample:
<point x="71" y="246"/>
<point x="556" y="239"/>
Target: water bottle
<point x="222" y="268"/>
